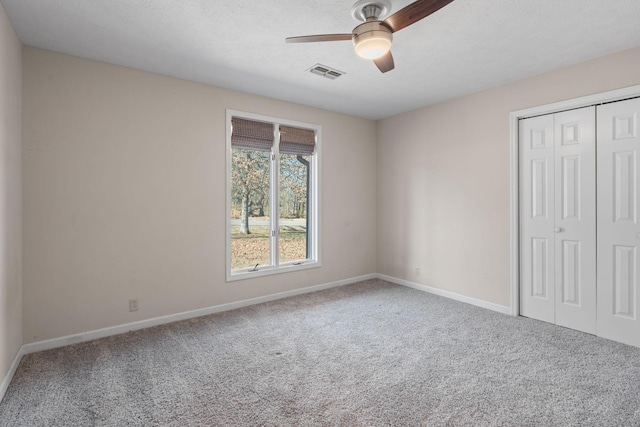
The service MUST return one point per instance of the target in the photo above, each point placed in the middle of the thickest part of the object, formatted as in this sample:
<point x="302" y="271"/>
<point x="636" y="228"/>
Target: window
<point x="272" y="195"/>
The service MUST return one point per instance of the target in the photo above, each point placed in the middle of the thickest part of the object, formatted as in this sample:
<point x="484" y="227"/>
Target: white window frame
<point x="313" y="211"/>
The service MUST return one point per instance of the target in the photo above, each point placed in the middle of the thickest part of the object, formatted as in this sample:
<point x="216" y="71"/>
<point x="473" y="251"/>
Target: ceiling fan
<point x="372" y="39"/>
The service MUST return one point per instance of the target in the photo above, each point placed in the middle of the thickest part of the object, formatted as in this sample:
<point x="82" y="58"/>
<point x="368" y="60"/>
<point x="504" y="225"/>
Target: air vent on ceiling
<point x="324" y="71"/>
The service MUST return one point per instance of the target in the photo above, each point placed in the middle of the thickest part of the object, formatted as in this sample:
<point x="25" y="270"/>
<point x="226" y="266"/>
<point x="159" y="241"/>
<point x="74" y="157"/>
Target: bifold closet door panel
<point x="575" y="219"/>
<point x="618" y="229"/>
<point x="557" y="219"/>
<point x="537" y="260"/>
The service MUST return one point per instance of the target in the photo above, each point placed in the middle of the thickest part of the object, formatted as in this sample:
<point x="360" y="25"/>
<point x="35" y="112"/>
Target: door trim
<point x="514" y="184"/>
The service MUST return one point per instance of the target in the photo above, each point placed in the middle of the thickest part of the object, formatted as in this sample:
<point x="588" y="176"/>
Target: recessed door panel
<point x="538" y="137"/>
<point x="624" y="271"/>
<point x="539" y="268"/>
<point x="539" y="190"/>
<point x="624" y="195"/>
<point x="571" y="187"/>
<point x="624" y="126"/>
<point x="570" y="133"/>
<point x="571" y="272"/>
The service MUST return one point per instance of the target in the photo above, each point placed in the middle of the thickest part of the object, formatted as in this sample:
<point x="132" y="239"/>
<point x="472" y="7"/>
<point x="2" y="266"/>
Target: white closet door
<point x="618" y="229"/>
<point x="537" y="290"/>
<point x="557" y="219"/>
<point x="575" y="219"/>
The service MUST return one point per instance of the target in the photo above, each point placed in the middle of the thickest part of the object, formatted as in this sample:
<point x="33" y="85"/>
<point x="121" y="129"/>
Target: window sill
<point x="268" y="271"/>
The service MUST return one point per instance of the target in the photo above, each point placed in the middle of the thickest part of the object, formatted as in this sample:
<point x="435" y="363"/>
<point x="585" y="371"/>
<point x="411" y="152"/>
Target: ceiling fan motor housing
<point x="365" y="9"/>
<point x="372" y="39"/>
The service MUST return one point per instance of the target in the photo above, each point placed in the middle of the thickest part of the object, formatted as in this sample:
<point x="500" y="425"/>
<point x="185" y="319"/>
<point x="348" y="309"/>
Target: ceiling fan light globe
<point x="372" y="44"/>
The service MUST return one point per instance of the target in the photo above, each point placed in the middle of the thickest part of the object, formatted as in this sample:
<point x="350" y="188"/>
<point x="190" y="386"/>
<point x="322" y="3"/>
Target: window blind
<point x="298" y="141"/>
<point x="250" y="134"/>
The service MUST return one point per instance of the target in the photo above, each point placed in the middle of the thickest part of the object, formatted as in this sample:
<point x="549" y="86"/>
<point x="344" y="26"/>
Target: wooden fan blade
<point x="320" y="38"/>
<point x="385" y="62"/>
<point x="414" y="12"/>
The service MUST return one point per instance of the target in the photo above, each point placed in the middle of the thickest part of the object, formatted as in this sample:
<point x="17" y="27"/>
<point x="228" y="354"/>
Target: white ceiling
<point x="467" y="46"/>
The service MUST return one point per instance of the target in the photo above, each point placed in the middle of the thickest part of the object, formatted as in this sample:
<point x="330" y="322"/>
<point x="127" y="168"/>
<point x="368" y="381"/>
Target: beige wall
<point x="443" y="179"/>
<point x="124" y="189"/>
<point x="10" y="196"/>
<point x="124" y="195"/>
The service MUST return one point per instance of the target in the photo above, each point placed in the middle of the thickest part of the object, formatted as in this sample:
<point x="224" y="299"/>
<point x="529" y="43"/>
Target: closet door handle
<point x="558" y="229"/>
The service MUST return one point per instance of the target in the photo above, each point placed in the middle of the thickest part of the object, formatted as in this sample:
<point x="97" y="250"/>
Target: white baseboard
<point x="452" y="295"/>
<point x="121" y="329"/>
<point x="4" y="385"/>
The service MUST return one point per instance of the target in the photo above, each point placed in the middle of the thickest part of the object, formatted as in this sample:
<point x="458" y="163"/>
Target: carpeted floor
<point x="368" y="354"/>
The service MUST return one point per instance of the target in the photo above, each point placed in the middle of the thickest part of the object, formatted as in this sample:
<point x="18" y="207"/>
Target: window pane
<point x="293" y="204"/>
<point x="250" y="226"/>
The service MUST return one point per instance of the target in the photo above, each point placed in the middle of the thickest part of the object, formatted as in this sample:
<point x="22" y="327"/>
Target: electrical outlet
<point x="133" y="304"/>
<point x="417" y="271"/>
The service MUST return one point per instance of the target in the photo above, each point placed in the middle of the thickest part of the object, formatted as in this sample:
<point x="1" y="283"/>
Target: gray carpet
<point x="368" y="354"/>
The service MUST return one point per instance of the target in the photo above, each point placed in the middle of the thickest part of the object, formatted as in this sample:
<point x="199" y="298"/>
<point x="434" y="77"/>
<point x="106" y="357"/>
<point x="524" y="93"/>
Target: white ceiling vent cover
<point x="324" y="71"/>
